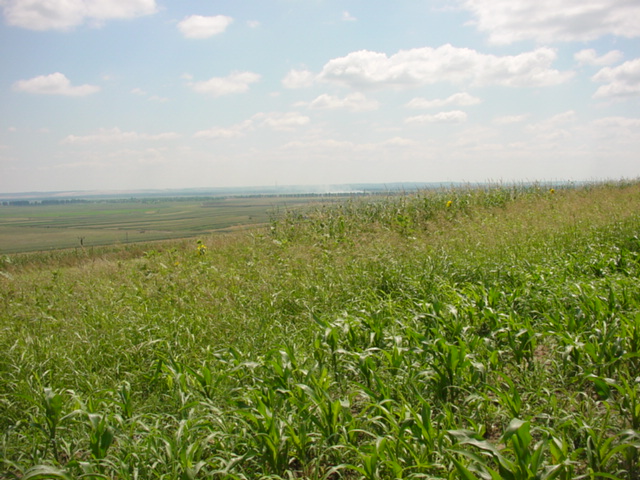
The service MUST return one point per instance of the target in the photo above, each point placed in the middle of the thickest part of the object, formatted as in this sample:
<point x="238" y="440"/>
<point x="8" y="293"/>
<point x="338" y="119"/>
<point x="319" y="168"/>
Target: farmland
<point x="464" y="333"/>
<point x="93" y="223"/>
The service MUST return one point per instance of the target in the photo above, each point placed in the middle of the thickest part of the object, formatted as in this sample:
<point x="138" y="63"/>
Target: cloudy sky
<point x="128" y="94"/>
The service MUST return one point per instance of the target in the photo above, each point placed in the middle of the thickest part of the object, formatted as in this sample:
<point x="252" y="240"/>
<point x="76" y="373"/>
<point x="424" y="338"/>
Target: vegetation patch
<point x="467" y="333"/>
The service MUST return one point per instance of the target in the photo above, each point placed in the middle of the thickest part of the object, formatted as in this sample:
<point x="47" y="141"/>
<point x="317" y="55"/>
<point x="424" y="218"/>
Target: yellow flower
<point x="449" y="203"/>
<point x="202" y="249"/>
<point x="552" y="191"/>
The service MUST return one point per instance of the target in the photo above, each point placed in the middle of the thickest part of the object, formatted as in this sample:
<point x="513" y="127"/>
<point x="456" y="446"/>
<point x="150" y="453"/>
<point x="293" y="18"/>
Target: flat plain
<point x="38" y="226"/>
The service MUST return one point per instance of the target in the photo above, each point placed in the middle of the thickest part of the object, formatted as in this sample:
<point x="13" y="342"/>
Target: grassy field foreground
<point x="481" y="333"/>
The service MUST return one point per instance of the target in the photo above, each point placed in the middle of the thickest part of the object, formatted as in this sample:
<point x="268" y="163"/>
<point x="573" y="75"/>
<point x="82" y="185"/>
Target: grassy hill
<point x="467" y="333"/>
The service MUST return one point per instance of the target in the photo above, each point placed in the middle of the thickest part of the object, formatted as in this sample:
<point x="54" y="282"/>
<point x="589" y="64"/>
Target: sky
<point x="161" y="94"/>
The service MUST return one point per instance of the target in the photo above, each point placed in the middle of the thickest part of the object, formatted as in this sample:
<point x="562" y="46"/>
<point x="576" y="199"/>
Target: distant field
<point x="46" y="227"/>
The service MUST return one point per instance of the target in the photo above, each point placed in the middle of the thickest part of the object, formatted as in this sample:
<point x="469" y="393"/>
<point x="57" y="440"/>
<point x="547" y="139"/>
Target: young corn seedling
<point x="605" y="453"/>
<point x="522" y="341"/>
<point x="269" y="441"/>
<point x="526" y="459"/>
<point x="51" y="404"/>
<point x="451" y="367"/>
<point x="101" y="435"/>
<point x="330" y="416"/>
<point x="509" y="397"/>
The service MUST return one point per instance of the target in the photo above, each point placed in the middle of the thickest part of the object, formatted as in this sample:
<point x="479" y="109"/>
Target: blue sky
<point x="137" y="94"/>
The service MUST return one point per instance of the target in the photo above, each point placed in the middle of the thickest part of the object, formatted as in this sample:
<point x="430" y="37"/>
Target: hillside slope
<point x="451" y="334"/>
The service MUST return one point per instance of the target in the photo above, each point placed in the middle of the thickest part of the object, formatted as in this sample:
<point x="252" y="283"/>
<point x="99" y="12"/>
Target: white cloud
<point x="153" y="98"/>
<point x="298" y="79"/>
<point x="553" y="128"/>
<point x="616" y="133"/>
<point x="355" y="102"/>
<point x="462" y="99"/>
<point x="347" y="17"/>
<point x="617" y="122"/>
<point x="281" y="121"/>
<point x="330" y="145"/>
<point x="622" y="81"/>
<point x="399" y="142"/>
<point x="554" y="121"/>
<point x="590" y="57"/>
<point x="234" y="131"/>
<point x="115" y="135"/>
<point x="218" y="132"/>
<point x="454" y="116"/>
<point x="425" y="66"/>
<point x="314" y="145"/>
<point x="66" y="14"/>
<point x="197" y="26"/>
<point x="236" y="82"/>
<point x="287" y="121"/>
<point x="54" y="84"/>
<point x="253" y="23"/>
<point x="548" y="21"/>
<point x="510" y="119"/>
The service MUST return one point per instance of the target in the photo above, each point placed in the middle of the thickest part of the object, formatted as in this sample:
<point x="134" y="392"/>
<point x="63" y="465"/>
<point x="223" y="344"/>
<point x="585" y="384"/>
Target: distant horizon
<point x="337" y="189"/>
<point x="249" y="189"/>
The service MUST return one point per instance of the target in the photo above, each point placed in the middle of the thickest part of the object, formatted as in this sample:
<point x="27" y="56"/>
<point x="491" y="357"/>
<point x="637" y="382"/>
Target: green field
<point x="487" y="333"/>
<point x="47" y="227"/>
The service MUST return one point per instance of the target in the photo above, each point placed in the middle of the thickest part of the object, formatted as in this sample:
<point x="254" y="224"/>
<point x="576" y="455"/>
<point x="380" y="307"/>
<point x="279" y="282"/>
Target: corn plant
<point x="101" y="435"/>
<point x="521" y="459"/>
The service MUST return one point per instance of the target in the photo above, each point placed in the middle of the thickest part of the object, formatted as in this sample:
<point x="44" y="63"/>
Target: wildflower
<point x="201" y="248"/>
<point x="552" y="191"/>
<point x="449" y="203"/>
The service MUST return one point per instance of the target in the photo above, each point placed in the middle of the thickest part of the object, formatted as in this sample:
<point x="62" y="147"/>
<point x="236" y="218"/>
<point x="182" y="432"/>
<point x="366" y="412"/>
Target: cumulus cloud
<point x="284" y="121"/>
<point x="510" y="119"/>
<point x="553" y="128"/>
<point x="590" y="57"/>
<point x="236" y="82"/>
<point x="355" y="102"/>
<point x="115" y="135"/>
<point x="461" y="99"/>
<point x="281" y="121"/>
<point x="54" y="84"/>
<point x="617" y="122"/>
<point x="330" y="144"/>
<point x="548" y="21"/>
<point x="454" y="116"/>
<point x="197" y="26"/>
<point x="399" y="142"/>
<point x="66" y="14"/>
<point x="234" y="131"/>
<point x="621" y="82"/>
<point x="218" y="132"/>
<point x="616" y="132"/>
<point x="298" y="79"/>
<point x="425" y="66"/>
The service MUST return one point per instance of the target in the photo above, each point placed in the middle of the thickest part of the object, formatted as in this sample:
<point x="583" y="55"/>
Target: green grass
<point x="472" y="333"/>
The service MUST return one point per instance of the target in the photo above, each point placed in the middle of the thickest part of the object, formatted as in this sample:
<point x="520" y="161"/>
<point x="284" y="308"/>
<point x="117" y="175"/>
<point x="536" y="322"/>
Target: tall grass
<point x="469" y="333"/>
